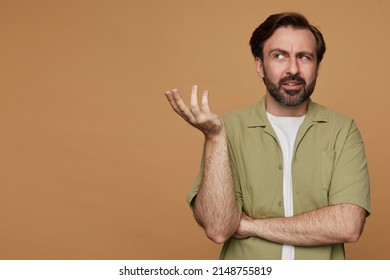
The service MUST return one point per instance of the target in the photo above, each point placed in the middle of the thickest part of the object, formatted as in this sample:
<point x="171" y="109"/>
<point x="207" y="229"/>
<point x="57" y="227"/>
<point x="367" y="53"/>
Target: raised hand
<point x="215" y="206"/>
<point x="200" y="117"/>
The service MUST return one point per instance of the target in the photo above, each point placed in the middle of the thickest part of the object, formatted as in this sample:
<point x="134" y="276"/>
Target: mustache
<point x="292" y="78"/>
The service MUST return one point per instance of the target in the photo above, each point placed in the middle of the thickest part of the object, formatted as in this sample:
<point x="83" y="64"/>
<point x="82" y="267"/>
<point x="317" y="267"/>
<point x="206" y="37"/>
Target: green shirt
<point x="329" y="167"/>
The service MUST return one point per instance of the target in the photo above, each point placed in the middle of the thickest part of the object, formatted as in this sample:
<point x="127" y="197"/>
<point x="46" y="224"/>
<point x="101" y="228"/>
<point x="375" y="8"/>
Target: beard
<point x="290" y="98"/>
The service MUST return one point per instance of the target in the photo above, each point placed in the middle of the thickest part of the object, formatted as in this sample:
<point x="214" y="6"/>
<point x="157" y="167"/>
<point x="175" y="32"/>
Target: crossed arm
<point x="215" y="206"/>
<point x="341" y="223"/>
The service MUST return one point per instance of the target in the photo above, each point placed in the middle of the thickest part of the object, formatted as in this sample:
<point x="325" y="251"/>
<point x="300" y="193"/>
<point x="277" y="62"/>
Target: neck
<point x="275" y="108"/>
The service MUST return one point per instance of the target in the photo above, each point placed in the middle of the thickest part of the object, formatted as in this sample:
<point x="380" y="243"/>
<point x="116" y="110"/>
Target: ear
<point x="259" y="67"/>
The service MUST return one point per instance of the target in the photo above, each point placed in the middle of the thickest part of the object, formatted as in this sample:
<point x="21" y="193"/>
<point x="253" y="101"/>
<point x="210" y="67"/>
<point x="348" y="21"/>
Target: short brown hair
<point x="273" y="22"/>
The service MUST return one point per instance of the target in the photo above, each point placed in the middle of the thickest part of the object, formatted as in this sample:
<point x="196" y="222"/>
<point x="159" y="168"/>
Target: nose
<point x="293" y="67"/>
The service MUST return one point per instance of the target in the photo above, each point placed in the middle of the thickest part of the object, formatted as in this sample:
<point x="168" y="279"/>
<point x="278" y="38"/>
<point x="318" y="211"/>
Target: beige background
<point x="94" y="164"/>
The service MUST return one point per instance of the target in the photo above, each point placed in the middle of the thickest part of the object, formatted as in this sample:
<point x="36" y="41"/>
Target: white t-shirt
<point x="286" y="129"/>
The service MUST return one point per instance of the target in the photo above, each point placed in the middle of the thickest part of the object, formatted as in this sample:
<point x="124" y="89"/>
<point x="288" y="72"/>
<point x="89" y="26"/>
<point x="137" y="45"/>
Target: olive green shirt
<point x="328" y="167"/>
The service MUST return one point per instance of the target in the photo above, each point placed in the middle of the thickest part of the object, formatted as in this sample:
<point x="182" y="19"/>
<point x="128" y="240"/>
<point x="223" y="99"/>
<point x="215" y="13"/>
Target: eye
<point x="279" y="56"/>
<point x="305" y="57"/>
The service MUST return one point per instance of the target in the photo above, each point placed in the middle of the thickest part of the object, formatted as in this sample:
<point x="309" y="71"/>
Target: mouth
<point x="292" y="85"/>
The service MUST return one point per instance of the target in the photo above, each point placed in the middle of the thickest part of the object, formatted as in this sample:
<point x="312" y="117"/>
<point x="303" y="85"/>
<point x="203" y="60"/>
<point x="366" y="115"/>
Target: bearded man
<point x="285" y="178"/>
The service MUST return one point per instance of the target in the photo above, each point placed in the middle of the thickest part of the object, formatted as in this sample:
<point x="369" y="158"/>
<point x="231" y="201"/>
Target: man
<point x="285" y="178"/>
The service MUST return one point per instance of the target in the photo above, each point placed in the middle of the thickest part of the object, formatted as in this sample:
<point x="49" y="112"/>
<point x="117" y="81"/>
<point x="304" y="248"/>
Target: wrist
<point x="217" y="133"/>
<point x="215" y="138"/>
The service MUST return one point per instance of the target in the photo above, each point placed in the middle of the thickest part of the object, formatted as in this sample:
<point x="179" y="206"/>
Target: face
<point x="289" y="67"/>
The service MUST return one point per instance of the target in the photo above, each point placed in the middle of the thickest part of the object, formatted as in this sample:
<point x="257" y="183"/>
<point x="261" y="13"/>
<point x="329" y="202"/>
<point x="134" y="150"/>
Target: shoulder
<point x="320" y="113"/>
<point x="242" y="117"/>
<point x="333" y="124"/>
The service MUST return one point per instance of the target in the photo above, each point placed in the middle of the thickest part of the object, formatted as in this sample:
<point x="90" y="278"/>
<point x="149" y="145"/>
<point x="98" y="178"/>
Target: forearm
<point x="215" y="206"/>
<point x="329" y="225"/>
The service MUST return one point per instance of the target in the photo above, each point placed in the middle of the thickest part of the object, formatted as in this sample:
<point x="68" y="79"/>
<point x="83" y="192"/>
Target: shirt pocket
<point x="327" y="163"/>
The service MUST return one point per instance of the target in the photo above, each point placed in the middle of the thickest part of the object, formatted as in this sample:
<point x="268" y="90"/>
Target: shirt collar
<point x="315" y="113"/>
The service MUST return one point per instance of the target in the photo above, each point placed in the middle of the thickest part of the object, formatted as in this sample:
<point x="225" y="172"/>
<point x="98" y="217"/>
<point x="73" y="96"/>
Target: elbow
<point x="353" y="236"/>
<point x="217" y="237"/>
<point x="219" y="230"/>
<point x="354" y="226"/>
<point x="215" y="234"/>
<point x="221" y="233"/>
<point x="354" y="233"/>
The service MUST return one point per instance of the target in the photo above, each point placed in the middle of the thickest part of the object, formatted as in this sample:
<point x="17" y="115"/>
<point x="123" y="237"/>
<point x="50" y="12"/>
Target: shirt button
<point x="280" y="203"/>
<point x="280" y="167"/>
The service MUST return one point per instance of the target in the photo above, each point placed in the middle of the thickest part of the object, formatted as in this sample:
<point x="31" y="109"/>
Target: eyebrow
<point x="277" y="50"/>
<point x="286" y="52"/>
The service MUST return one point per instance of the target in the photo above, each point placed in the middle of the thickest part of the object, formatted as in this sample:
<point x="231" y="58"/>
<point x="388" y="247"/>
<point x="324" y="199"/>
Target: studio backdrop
<point x="94" y="164"/>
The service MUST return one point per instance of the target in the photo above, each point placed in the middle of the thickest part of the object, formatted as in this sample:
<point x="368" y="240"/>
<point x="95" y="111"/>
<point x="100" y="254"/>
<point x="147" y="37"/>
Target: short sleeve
<point x="350" y="180"/>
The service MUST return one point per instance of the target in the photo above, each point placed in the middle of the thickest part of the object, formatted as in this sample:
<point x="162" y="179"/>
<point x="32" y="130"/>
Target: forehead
<point x="292" y="40"/>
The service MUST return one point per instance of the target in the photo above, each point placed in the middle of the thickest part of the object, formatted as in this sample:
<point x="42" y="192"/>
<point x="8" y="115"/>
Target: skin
<point x="215" y="206"/>
<point x="287" y="52"/>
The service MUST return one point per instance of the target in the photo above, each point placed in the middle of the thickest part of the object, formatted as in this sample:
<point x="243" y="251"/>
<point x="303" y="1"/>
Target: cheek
<point x="309" y="74"/>
<point x="274" y="71"/>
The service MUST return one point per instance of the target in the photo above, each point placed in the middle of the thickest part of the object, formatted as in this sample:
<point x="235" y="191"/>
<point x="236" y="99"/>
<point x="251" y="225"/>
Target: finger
<point x="205" y="102"/>
<point x="194" y="100"/>
<point x="169" y="95"/>
<point x="183" y="110"/>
